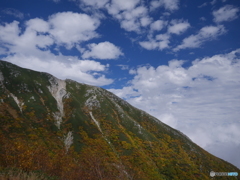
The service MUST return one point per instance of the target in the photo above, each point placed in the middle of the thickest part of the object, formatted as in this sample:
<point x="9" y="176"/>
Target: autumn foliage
<point x="95" y="136"/>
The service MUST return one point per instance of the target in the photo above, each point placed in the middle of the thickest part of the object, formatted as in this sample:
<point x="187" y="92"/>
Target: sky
<point x="178" y="60"/>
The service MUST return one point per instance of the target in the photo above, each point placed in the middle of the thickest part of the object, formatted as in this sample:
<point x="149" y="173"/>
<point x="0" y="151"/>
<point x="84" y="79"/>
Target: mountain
<point x="68" y="130"/>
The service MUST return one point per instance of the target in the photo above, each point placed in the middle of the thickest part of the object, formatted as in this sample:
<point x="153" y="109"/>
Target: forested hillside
<point x="67" y="130"/>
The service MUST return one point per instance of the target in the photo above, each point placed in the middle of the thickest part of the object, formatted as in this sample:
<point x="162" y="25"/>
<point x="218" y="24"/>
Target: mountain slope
<point x="71" y="130"/>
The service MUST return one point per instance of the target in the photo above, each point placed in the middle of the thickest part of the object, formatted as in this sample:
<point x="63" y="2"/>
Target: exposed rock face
<point x="20" y="104"/>
<point x="68" y="141"/>
<point x="58" y="91"/>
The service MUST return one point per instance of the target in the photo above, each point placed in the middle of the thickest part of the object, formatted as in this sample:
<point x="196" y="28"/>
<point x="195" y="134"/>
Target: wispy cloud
<point x="123" y="67"/>
<point x="206" y="33"/>
<point x="13" y="12"/>
<point x="178" y="26"/>
<point x="226" y="13"/>
<point x="95" y="4"/>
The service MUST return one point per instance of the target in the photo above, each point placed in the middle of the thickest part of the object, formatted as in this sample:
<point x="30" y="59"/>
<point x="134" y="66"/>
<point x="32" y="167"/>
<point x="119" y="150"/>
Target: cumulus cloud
<point x="145" y="21"/>
<point x="131" y="14"/>
<point x="32" y="47"/>
<point x="158" y="25"/>
<point x="170" y="5"/>
<point x="69" y="28"/>
<point x="133" y="20"/>
<point x="160" y="42"/>
<point x="38" y="25"/>
<point x="226" y="13"/>
<point x="202" y="100"/>
<point x="178" y="26"/>
<point x="103" y="50"/>
<point x="26" y="41"/>
<point x="63" y="67"/>
<point x="9" y="32"/>
<point x="126" y="92"/>
<point x="207" y="33"/>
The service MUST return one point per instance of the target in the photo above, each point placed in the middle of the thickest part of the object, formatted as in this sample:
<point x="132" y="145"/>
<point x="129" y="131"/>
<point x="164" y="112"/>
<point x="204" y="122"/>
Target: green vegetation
<point x="107" y="137"/>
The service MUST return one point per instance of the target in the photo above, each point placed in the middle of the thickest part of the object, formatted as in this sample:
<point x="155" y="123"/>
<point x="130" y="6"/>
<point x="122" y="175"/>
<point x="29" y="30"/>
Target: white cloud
<point x="203" y="5"/>
<point x="133" y="20"/>
<point x="3" y="50"/>
<point x="30" y="48"/>
<point x="202" y="101"/>
<point x="152" y="44"/>
<point x="169" y="119"/>
<point x="121" y="5"/>
<point x="131" y="14"/>
<point x="178" y="26"/>
<point x="130" y="25"/>
<point x="160" y="42"/>
<point x="65" y="28"/>
<point x="9" y="32"/>
<point x="149" y="45"/>
<point x="138" y="12"/>
<point x="132" y="71"/>
<point x="202" y="18"/>
<point x="13" y="12"/>
<point x="103" y="50"/>
<point x="38" y="25"/>
<point x="158" y="25"/>
<point x="167" y="4"/>
<point x="17" y="42"/>
<point x="63" y="67"/>
<point x="228" y="151"/>
<point x="207" y="33"/>
<point x="145" y="21"/>
<point x="226" y="13"/>
<point x="69" y="28"/>
<point x="94" y="3"/>
<point x="123" y="67"/>
<point x="125" y="92"/>
<point x="213" y="2"/>
<point x="29" y="40"/>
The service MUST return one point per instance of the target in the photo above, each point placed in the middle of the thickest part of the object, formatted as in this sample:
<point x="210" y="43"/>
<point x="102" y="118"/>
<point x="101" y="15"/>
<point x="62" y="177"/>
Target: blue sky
<point x="178" y="60"/>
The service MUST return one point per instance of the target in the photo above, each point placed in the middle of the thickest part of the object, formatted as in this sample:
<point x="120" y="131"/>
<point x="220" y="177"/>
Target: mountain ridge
<point x="50" y="120"/>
